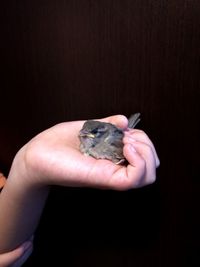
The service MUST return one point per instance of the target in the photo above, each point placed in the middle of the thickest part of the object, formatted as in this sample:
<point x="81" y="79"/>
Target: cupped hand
<point x="53" y="157"/>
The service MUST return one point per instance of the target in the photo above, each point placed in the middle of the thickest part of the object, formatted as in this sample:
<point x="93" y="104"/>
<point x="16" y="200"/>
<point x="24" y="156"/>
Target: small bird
<point x="103" y="140"/>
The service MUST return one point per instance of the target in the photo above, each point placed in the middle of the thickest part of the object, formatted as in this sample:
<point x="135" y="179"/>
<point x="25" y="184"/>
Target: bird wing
<point x="133" y="120"/>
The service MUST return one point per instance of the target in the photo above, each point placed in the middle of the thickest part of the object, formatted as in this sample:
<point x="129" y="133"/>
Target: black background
<point x="69" y="60"/>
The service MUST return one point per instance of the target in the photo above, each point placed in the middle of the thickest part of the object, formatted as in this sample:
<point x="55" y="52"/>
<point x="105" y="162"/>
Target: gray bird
<point x="103" y="140"/>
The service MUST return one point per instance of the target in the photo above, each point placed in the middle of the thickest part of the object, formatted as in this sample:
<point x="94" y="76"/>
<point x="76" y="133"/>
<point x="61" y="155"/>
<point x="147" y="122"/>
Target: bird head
<point x="93" y="129"/>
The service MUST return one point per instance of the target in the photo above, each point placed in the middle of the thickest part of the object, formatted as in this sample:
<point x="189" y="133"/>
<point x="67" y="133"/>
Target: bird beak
<point x="90" y="135"/>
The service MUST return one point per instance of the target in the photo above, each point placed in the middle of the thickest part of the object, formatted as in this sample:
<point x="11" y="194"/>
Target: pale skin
<point x="53" y="158"/>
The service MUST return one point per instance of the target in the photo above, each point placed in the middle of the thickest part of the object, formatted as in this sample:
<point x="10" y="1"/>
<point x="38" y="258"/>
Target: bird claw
<point x="120" y="161"/>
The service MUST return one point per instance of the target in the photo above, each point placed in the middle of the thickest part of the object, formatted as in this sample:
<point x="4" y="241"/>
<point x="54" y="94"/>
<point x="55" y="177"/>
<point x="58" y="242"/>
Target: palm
<point x="55" y="155"/>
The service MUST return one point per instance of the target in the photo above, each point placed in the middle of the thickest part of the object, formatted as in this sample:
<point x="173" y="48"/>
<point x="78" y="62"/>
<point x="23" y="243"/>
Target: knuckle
<point x="147" y="150"/>
<point x="141" y="135"/>
<point x="152" y="179"/>
<point x="139" y="132"/>
<point x="142" y="164"/>
<point x="157" y="163"/>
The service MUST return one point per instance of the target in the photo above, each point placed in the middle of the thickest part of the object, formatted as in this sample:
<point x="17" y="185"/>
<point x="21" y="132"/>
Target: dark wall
<point x="68" y="60"/>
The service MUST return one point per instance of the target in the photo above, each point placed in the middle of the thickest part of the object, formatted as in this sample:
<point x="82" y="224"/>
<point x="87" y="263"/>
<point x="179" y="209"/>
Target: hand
<point x="148" y="159"/>
<point x="17" y="257"/>
<point x="53" y="157"/>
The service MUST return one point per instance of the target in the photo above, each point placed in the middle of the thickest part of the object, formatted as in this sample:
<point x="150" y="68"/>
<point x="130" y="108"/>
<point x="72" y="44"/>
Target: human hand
<point x="53" y="157"/>
<point x="18" y="256"/>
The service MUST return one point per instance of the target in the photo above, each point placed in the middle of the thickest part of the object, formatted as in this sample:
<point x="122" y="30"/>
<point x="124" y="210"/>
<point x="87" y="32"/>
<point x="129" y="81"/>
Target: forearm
<point x="21" y="205"/>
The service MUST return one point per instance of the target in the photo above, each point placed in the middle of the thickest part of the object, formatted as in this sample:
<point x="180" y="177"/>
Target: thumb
<point x="119" y="120"/>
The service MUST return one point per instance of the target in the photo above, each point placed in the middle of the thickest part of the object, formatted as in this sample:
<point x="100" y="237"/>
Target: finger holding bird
<point x="136" y="137"/>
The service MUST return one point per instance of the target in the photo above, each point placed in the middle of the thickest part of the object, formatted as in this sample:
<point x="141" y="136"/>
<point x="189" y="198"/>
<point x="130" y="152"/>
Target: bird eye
<point x="98" y="130"/>
<point x="95" y="131"/>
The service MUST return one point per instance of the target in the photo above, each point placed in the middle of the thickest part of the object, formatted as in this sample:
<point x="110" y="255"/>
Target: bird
<point x="103" y="140"/>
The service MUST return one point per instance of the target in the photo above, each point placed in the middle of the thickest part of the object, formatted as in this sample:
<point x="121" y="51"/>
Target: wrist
<point x="23" y="173"/>
<point x="21" y="203"/>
